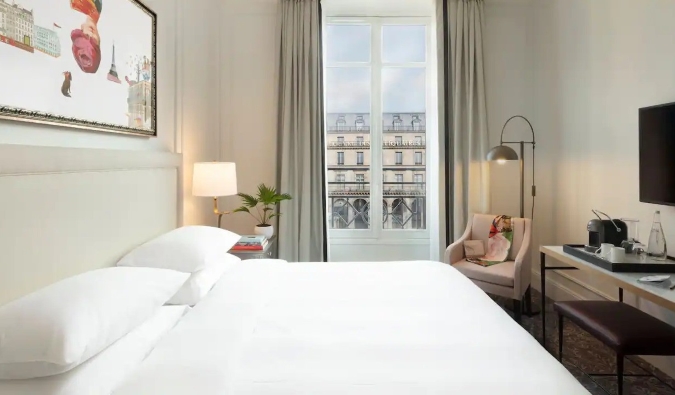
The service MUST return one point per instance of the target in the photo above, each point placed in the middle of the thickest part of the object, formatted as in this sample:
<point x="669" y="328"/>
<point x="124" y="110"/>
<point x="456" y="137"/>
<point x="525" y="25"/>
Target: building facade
<point x="16" y="23"/>
<point x="47" y="41"/>
<point x="140" y="104"/>
<point x="403" y="170"/>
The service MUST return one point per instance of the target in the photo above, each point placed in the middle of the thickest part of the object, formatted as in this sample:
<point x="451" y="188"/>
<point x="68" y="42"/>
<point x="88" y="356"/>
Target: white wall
<point x="33" y="134"/>
<point x="227" y="78"/>
<point x="596" y="63"/>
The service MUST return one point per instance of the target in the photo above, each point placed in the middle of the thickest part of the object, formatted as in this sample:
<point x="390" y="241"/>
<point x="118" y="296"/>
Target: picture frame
<point x="101" y="76"/>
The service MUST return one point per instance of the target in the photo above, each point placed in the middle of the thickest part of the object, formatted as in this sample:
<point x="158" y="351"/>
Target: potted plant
<point x="262" y="207"/>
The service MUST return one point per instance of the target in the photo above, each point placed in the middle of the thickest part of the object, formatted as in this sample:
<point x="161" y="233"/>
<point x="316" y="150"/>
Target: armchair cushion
<point x="480" y="230"/>
<point x="501" y="274"/>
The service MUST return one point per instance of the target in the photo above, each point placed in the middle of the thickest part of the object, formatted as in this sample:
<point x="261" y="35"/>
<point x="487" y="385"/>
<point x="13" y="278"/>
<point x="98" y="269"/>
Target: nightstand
<point x="270" y="252"/>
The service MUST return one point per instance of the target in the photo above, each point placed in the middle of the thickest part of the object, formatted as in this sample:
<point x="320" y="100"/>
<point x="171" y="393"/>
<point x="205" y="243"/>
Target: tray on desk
<point x="633" y="263"/>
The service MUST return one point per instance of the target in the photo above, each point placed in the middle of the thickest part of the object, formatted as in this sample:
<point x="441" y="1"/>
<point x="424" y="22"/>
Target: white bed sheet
<point x="273" y="327"/>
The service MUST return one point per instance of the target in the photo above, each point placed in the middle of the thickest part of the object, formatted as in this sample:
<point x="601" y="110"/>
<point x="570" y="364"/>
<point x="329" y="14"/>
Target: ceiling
<point x="378" y="7"/>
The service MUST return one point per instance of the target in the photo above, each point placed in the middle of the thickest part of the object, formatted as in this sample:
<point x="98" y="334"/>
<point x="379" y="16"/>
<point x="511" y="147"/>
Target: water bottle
<point x="657" y="240"/>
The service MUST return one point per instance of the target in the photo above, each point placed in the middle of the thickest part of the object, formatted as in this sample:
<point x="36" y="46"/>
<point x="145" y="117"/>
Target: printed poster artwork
<point x="82" y="63"/>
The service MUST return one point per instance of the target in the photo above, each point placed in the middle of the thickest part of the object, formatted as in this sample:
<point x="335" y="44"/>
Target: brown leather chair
<point x="623" y="328"/>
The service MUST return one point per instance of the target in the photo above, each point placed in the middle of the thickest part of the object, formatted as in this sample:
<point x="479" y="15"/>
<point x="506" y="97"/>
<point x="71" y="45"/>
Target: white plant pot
<point x="267" y="231"/>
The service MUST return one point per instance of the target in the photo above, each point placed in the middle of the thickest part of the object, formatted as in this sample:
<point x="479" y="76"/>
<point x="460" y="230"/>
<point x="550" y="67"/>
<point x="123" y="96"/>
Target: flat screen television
<point x="657" y="154"/>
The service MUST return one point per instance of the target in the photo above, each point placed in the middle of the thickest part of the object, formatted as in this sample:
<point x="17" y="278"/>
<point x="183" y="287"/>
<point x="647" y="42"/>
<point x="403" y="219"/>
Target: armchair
<point x="510" y="279"/>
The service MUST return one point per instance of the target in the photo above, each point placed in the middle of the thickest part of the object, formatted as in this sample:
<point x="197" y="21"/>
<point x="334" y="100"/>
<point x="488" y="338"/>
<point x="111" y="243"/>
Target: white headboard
<point x="64" y="211"/>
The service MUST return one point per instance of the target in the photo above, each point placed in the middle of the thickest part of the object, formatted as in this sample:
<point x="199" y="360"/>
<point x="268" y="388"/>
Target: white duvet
<point x="273" y="327"/>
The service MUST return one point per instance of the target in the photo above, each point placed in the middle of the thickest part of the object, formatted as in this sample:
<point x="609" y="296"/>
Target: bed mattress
<point x="273" y="327"/>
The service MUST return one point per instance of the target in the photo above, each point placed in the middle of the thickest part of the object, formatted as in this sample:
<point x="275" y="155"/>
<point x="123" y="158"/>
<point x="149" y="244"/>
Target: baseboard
<point x="560" y="286"/>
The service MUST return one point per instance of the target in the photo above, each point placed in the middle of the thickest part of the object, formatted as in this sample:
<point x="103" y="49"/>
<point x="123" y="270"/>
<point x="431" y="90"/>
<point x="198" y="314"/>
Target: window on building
<point x="341" y="123"/>
<point x="416" y="123"/>
<point x="399" y="141"/>
<point x="340" y="158"/>
<point x="360" y="123"/>
<point x="341" y="140"/>
<point x="399" y="181"/>
<point x="359" y="158"/>
<point x="359" y="141"/>
<point x="397" y="122"/>
<point x="419" y="179"/>
<point x="418" y="158"/>
<point x="399" y="158"/>
<point x="340" y="180"/>
<point x="360" y="180"/>
<point x="361" y="218"/>
<point x="340" y="215"/>
<point x="418" y="140"/>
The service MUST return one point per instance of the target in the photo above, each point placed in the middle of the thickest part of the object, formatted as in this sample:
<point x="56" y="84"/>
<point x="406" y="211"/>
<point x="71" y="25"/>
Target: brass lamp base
<point x="218" y="212"/>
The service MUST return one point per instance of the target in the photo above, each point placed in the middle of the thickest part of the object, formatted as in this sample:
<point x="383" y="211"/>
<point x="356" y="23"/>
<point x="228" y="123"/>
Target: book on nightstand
<point x="251" y="243"/>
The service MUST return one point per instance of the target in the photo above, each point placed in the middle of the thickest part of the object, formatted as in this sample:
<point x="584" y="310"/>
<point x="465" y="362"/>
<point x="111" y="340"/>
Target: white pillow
<point x="201" y="282"/>
<point x="102" y="374"/>
<point x="188" y="249"/>
<point x="61" y="326"/>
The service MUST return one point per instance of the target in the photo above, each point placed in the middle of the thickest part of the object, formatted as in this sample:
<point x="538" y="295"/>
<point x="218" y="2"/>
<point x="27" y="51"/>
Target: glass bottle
<point x="657" y="240"/>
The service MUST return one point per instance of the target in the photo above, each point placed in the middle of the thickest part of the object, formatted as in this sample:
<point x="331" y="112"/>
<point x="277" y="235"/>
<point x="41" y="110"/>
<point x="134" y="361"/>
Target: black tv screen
<point x="657" y="154"/>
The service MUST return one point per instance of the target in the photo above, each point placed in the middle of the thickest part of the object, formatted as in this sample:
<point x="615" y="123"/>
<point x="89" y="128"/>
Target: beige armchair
<point x="510" y="279"/>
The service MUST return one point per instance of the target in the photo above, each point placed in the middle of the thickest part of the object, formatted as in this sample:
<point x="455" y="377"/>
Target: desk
<point x="663" y="297"/>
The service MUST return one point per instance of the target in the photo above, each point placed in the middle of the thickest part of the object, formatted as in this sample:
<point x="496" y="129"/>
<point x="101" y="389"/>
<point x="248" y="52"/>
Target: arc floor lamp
<point x="503" y="153"/>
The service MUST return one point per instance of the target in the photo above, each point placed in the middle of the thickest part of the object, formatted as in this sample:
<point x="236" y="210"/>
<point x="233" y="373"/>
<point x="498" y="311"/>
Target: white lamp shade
<point x="213" y="179"/>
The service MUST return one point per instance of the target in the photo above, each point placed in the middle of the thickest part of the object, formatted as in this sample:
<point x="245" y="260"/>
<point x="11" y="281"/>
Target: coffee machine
<point x="612" y="231"/>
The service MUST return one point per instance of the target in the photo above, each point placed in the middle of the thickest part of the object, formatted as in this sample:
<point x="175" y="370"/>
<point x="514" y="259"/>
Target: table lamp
<point x="215" y="179"/>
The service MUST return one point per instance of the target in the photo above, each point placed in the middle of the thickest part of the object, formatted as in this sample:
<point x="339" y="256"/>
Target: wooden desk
<point x="663" y="297"/>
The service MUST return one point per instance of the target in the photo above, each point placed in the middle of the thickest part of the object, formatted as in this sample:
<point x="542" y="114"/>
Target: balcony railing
<point x="386" y="129"/>
<point x="349" y="129"/>
<point x="389" y="129"/>
<point x="349" y="188"/>
<point x="404" y="144"/>
<point x="391" y="189"/>
<point x="404" y="189"/>
<point x="349" y="144"/>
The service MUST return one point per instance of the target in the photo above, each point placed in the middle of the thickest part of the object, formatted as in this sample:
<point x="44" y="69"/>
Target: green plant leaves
<point x="268" y="198"/>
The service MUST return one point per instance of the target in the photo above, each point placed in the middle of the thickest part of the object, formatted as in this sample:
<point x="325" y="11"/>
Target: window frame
<point x="376" y="135"/>
<point x="398" y="158"/>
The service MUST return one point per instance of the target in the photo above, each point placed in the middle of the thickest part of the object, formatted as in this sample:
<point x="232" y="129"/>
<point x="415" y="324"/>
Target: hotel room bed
<point x="273" y="327"/>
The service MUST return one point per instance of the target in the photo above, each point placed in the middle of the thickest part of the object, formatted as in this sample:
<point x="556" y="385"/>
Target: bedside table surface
<point x="267" y="253"/>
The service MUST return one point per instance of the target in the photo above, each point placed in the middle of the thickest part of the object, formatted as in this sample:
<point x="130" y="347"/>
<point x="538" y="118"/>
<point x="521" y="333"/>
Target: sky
<point x="348" y="89"/>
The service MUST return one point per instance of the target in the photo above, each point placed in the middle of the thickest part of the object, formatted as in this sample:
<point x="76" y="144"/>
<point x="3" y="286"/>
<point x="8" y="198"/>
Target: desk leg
<point x="542" y="272"/>
<point x="620" y="294"/>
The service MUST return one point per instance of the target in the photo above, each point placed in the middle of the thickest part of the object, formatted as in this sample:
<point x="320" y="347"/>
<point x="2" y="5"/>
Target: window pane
<point x="348" y="124"/>
<point x="404" y="44"/>
<point x="348" y="43"/>
<point x="404" y="91"/>
<point x="403" y="150"/>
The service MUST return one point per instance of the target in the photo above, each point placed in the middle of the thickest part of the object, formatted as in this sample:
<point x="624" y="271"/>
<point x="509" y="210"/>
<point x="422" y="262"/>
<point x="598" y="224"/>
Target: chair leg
<point x="560" y="337"/>
<point x="518" y="310"/>
<point x="619" y="373"/>
<point x="528" y="301"/>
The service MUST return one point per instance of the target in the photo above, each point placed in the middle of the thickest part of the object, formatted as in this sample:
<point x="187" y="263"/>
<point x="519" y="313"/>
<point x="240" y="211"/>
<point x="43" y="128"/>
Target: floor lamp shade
<point x="213" y="179"/>
<point x="501" y="153"/>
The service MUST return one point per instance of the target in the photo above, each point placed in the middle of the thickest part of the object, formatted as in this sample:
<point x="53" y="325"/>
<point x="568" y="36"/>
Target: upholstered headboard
<point x="64" y="211"/>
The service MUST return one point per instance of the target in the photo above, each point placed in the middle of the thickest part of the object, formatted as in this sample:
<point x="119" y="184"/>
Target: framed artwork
<point x="88" y="64"/>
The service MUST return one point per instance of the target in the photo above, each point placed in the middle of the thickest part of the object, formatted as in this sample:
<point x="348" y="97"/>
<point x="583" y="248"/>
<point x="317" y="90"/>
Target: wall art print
<point x="87" y="64"/>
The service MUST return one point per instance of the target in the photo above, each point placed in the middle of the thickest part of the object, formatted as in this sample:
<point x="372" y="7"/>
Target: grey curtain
<point x="302" y="227"/>
<point x="463" y="112"/>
